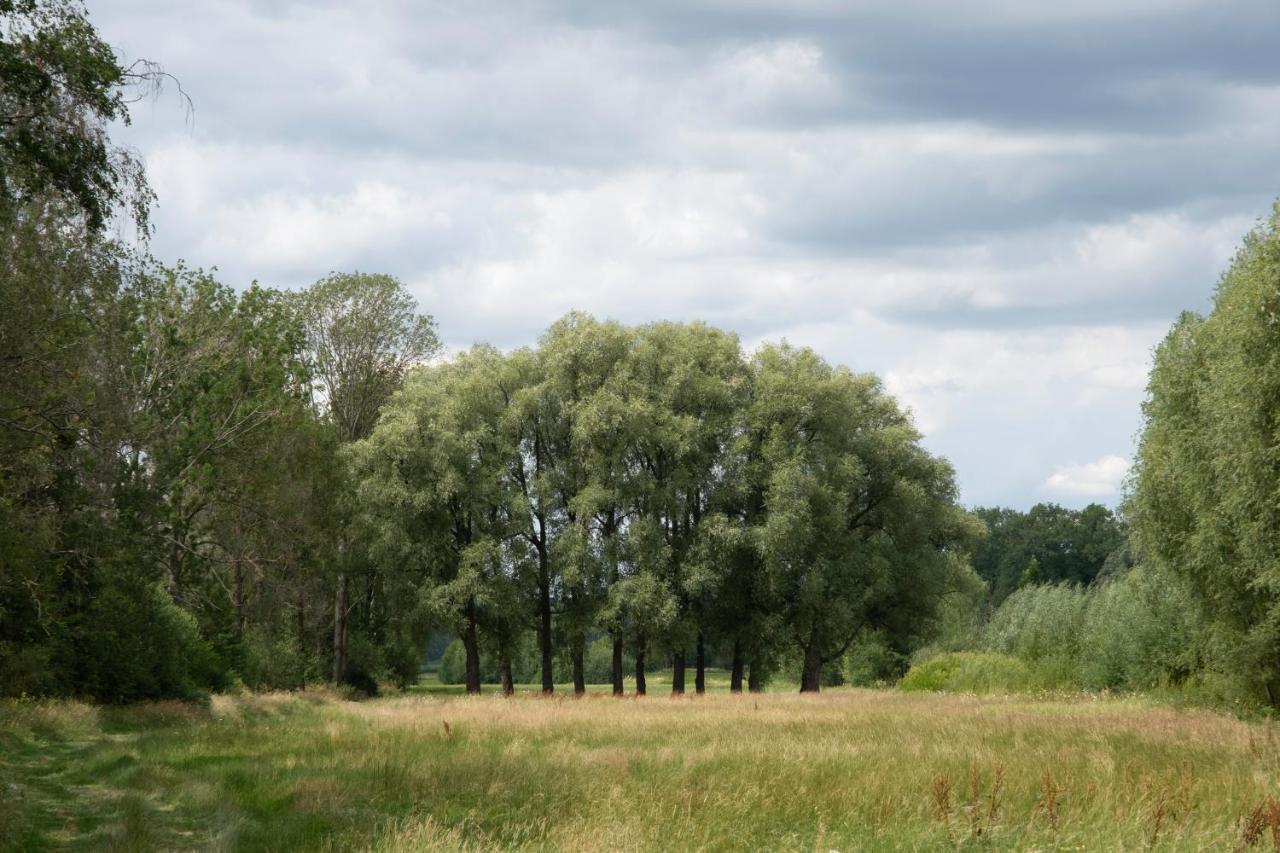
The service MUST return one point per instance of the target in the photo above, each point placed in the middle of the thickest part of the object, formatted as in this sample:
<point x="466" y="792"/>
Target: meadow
<point x="843" y="770"/>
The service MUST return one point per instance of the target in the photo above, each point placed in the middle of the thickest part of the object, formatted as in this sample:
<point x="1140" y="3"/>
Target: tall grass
<point x="845" y="770"/>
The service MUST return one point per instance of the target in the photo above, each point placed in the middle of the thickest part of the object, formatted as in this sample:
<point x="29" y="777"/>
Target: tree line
<point x="202" y="486"/>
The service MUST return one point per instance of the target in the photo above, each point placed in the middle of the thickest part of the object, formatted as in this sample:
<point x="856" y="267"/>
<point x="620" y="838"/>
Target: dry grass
<point x="847" y="770"/>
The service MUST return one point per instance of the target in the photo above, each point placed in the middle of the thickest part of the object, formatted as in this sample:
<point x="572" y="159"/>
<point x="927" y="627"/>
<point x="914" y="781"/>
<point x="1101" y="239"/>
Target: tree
<point x="436" y="499"/>
<point x="363" y="333"/>
<point x="1068" y="546"/>
<point x="683" y="385"/>
<point x="859" y="518"/>
<point x="61" y="86"/>
<point x="1203" y="502"/>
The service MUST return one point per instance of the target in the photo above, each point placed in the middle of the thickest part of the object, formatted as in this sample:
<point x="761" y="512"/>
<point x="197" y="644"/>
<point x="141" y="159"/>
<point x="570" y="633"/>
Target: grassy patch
<point x="846" y="770"/>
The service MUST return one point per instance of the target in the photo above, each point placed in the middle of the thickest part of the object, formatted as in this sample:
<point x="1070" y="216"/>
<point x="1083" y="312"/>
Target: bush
<point x="404" y="659"/>
<point x="272" y="662"/>
<point x="970" y="672"/>
<point x="1039" y="623"/>
<point x="136" y="643"/>
<point x="1138" y="631"/>
<point x="871" y="661"/>
<point x="453" y="664"/>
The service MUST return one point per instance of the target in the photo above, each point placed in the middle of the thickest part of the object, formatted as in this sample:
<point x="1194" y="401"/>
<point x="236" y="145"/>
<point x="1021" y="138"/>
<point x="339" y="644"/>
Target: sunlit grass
<point x="846" y="770"/>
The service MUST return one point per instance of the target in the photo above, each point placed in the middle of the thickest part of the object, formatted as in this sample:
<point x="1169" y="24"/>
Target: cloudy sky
<point x="997" y="205"/>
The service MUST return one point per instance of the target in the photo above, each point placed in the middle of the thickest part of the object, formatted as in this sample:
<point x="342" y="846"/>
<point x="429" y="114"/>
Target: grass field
<point x="846" y="770"/>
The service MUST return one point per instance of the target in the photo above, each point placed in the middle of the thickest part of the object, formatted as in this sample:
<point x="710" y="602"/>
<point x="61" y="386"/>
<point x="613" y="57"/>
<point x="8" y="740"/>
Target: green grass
<point x="846" y="770"/>
<point x="655" y="683"/>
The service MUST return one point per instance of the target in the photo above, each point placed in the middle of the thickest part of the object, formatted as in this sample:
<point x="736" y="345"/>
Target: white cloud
<point x="1100" y="479"/>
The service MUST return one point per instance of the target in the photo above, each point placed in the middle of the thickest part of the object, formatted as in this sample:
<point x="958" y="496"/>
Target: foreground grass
<point x="847" y="770"/>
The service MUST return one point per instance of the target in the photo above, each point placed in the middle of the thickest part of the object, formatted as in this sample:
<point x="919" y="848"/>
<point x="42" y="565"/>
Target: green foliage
<point x="1137" y="632"/>
<point x="1205" y="480"/>
<point x="1048" y="544"/>
<point x="872" y="660"/>
<point x="134" y="643"/>
<point x="61" y="85"/>
<point x="452" y="664"/>
<point x="970" y="672"/>
<point x="1039" y="623"/>
<point x="273" y="660"/>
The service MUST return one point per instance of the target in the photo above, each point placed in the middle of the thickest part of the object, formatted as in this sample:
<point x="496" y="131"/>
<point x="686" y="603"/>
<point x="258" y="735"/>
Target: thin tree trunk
<point x="640" y="686"/>
<point x="677" y="673"/>
<point x="700" y="674"/>
<point x="544" y="619"/>
<point x="237" y="593"/>
<point x="504" y="675"/>
<point x="579" y="671"/>
<point x="302" y="615"/>
<point x="755" y="681"/>
<point x="735" y="673"/>
<point x="811" y="676"/>
<point x="340" y="630"/>
<point x="616" y="667"/>
<point x="472" y="646"/>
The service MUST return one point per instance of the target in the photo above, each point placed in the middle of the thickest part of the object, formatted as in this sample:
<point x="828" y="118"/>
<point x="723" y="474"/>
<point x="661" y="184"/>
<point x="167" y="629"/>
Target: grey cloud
<point x="872" y="178"/>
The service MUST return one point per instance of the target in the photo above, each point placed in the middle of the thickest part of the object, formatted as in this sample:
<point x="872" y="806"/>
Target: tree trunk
<point x="640" y="687"/>
<point x="811" y="676"/>
<point x="302" y="631"/>
<point x="340" y="630"/>
<point x="735" y="673"/>
<point x="616" y="667"/>
<point x="237" y="593"/>
<point x="544" y="620"/>
<point x="504" y="675"/>
<point x="677" y="673"/>
<point x="579" y="671"/>
<point x="755" y="681"/>
<point x="700" y="674"/>
<point x="472" y="646"/>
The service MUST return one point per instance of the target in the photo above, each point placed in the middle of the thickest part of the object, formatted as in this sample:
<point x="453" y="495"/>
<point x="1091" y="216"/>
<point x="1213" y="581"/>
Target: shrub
<point x="970" y="672"/>
<point x="871" y="661"/>
<point x="271" y="661"/>
<point x="453" y="664"/>
<point x="136" y="643"/>
<point x="1038" y="623"/>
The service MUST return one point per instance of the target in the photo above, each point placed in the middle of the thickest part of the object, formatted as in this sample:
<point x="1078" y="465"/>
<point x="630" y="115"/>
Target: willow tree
<point x="1206" y="476"/>
<point x="435" y="498"/>
<point x="684" y="384"/>
<point x="857" y="513"/>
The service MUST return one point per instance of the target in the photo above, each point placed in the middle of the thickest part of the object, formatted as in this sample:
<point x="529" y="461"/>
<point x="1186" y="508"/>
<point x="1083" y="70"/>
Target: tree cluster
<point x="1048" y="544"/>
<point x="657" y="486"/>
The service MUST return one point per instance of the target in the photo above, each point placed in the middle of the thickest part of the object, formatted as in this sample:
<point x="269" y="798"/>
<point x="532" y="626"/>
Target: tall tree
<point x="1204" y="501"/>
<point x="857" y="513"/>
<point x="436" y="499"/>
<point x="363" y="333"/>
<point x="1068" y="546"/>
<point x="685" y="383"/>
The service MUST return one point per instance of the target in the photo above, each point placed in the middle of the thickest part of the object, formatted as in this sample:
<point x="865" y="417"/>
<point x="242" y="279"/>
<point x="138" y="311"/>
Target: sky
<point x="997" y="206"/>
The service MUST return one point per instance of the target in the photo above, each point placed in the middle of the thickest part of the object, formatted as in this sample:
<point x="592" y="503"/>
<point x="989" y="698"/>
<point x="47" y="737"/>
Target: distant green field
<point x="656" y="683"/>
<point x="844" y="770"/>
